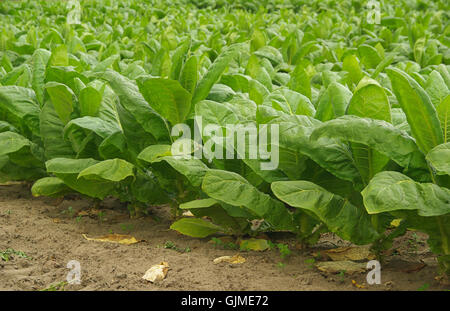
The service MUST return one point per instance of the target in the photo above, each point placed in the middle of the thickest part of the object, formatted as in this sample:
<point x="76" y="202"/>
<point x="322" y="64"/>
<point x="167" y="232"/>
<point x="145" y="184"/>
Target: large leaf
<point x="49" y="186"/>
<point x="333" y="103"/>
<point x="112" y="170"/>
<point x="419" y="110"/>
<point x="439" y="158"/>
<point x="39" y="63"/>
<point x="195" y="227"/>
<point x="338" y="214"/>
<point x="377" y="134"/>
<point x="214" y="72"/>
<point x="167" y="97"/>
<point x="62" y="98"/>
<point x="233" y="189"/>
<point x="392" y="191"/>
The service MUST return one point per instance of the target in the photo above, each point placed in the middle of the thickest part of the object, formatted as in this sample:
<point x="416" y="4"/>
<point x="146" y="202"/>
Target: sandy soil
<point x="48" y="231"/>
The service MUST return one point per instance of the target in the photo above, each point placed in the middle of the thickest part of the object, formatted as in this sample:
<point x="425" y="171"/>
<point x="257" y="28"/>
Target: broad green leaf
<point x="443" y="110"/>
<point x="189" y="74"/>
<point x="369" y="101"/>
<point x="351" y="65"/>
<point x="233" y="189"/>
<point x="436" y="88"/>
<point x="203" y="203"/>
<point x="420" y="112"/>
<point x="439" y="158"/>
<point x="112" y="170"/>
<point x="90" y="100"/>
<point x="167" y="97"/>
<point x="195" y="227"/>
<point x="135" y="105"/>
<point x="62" y="99"/>
<point x="49" y="186"/>
<point x="18" y="107"/>
<point x="214" y="72"/>
<point x="59" y="56"/>
<point x="39" y="64"/>
<point x="178" y="58"/>
<point x="338" y="214"/>
<point x="377" y="134"/>
<point x="392" y="191"/>
<point x="300" y="81"/>
<point x="290" y="102"/>
<point x="333" y="103"/>
<point x="369" y="56"/>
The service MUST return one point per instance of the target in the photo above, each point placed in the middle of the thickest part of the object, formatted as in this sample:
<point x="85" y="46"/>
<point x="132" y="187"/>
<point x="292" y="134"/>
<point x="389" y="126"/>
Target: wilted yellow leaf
<point x="254" y="244"/>
<point x="349" y="267"/>
<point x="357" y="285"/>
<point x="396" y="222"/>
<point x="114" y="238"/>
<point x="349" y="253"/>
<point x="236" y="259"/>
<point x="156" y="272"/>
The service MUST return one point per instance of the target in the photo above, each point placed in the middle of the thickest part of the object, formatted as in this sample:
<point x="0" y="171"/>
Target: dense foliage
<point x="363" y="111"/>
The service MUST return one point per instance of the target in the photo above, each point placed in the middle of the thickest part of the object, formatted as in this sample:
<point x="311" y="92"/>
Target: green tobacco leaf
<point x="59" y="56"/>
<point x="351" y="65"/>
<point x="333" y="102"/>
<point x="151" y="153"/>
<point x="49" y="186"/>
<point x="68" y="169"/>
<point x="377" y="134"/>
<point x="369" y="101"/>
<point x="233" y="189"/>
<point x="443" y="110"/>
<point x="62" y="99"/>
<point x="39" y="62"/>
<point x="300" y="81"/>
<point x="254" y="244"/>
<point x="439" y="158"/>
<point x="18" y="107"/>
<point x="189" y="74"/>
<point x="90" y="100"/>
<point x="135" y="105"/>
<point x="290" y="102"/>
<point x="338" y="214"/>
<point x="214" y="73"/>
<point x="420" y="112"/>
<point x="369" y="56"/>
<point x="11" y="142"/>
<point x="203" y="203"/>
<point x="436" y="88"/>
<point x="167" y="97"/>
<point x="112" y="170"/>
<point x="392" y="191"/>
<point x="178" y="58"/>
<point x="52" y="128"/>
<point x="195" y="227"/>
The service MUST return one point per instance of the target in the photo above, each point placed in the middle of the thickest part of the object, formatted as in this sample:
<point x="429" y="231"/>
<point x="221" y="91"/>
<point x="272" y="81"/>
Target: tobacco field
<point x="360" y="98"/>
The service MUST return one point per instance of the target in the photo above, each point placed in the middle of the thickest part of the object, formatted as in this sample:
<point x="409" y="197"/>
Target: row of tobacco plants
<point x="362" y="103"/>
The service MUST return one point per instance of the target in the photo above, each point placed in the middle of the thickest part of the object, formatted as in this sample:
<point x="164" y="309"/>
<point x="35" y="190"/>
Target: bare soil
<point x="49" y="232"/>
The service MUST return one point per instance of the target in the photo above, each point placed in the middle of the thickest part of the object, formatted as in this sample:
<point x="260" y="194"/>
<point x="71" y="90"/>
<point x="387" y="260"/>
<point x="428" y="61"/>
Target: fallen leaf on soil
<point x="56" y="220"/>
<point x="396" y="222"/>
<point x="357" y="285"/>
<point x="254" y="244"/>
<point x="349" y="253"/>
<point x="348" y="266"/>
<point x="156" y="272"/>
<point x="414" y="267"/>
<point x="188" y="214"/>
<point x="236" y="259"/>
<point x="114" y="238"/>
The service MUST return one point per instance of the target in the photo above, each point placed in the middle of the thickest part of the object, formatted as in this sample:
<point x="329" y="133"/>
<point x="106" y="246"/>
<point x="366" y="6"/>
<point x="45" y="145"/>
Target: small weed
<point x="55" y="287"/>
<point x="69" y="211"/>
<point x="101" y="216"/>
<point x="310" y="262"/>
<point x="341" y="275"/>
<point x="126" y="227"/>
<point x="424" y="287"/>
<point x="281" y="265"/>
<point x="78" y="219"/>
<point x="171" y="245"/>
<point x="10" y="253"/>
<point x="218" y="243"/>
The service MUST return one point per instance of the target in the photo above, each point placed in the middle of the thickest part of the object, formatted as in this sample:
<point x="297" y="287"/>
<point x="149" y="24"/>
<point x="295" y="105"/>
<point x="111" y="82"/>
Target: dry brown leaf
<point x="188" y="214"/>
<point x="348" y="266"/>
<point x="236" y="259"/>
<point x="114" y="238"/>
<point x="413" y="267"/>
<point x="355" y="253"/>
<point x="56" y="220"/>
<point x="156" y="272"/>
